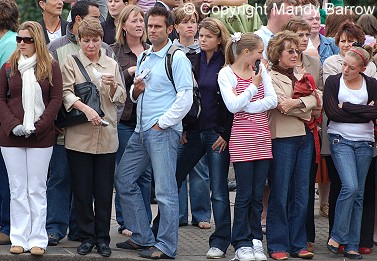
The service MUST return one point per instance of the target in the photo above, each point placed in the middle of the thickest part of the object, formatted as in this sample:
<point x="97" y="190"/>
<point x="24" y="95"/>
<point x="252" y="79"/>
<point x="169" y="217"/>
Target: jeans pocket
<point x="335" y="138"/>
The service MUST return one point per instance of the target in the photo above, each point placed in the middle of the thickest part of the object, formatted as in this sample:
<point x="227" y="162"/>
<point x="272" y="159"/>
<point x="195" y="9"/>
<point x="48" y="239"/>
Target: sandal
<point x="153" y="253"/>
<point x="324" y="210"/>
<point x="128" y="244"/>
<point x="204" y="225"/>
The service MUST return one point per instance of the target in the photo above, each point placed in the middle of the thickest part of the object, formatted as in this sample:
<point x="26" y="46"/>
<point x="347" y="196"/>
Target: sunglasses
<point x="27" y="40"/>
<point x="292" y="51"/>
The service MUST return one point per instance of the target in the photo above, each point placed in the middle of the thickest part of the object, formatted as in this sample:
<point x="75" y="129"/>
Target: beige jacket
<point x="87" y="137"/>
<point x="313" y="66"/>
<point x="290" y="124"/>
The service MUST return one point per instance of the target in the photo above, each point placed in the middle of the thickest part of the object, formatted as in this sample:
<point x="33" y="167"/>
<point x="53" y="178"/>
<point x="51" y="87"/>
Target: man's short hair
<point x="270" y="4"/>
<point x="9" y="15"/>
<point x="81" y="9"/>
<point x="162" y="11"/>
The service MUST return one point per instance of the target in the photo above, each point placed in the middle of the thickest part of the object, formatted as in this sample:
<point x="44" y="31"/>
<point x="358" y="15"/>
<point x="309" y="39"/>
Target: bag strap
<point x="7" y="74"/>
<point x="82" y="69"/>
<point x="169" y="62"/>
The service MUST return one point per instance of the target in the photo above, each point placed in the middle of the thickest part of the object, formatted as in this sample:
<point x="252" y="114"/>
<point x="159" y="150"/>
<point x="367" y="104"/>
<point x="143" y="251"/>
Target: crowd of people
<point x="288" y="105"/>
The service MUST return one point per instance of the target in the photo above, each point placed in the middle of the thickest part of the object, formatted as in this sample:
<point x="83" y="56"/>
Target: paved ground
<point x="193" y="245"/>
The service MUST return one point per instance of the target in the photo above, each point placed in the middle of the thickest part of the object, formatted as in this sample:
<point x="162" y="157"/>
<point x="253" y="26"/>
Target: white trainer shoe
<point x="244" y="254"/>
<point x="215" y="253"/>
<point x="258" y="250"/>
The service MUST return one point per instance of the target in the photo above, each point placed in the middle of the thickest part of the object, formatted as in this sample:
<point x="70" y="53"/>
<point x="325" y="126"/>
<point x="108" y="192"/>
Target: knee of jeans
<point x="351" y="191"/>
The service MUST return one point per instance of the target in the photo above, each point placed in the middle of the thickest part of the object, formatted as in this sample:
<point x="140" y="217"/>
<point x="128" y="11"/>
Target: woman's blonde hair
<point x="362" y="54"/>
<point x="43" y="67"/>
<point x="276" y="45"/>
<point x="120" y="36"/>
<point x="248" y="41"/>
<point x="216" y="27"/>
<point x="90" y="26"/>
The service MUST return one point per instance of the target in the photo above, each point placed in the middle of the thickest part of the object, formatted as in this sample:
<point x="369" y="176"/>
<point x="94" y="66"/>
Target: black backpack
<point x="196" y="107"/>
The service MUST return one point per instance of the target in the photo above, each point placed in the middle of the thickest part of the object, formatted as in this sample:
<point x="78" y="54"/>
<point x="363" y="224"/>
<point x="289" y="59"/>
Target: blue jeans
<point x="58" y="193"/>
<point x="351" y="160"/>
<point x="158" y="148"/>
<point x="251" y="178"/>
<point x="125" y="131"/>
<point x="289" y="185"/>
<point x="199" y="195"/>
<point x="4" y="198"/>
<point x="199" y="144"/>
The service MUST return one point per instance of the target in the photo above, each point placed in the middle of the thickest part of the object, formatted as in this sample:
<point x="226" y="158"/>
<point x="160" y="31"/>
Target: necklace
<point x="56" y="28"/>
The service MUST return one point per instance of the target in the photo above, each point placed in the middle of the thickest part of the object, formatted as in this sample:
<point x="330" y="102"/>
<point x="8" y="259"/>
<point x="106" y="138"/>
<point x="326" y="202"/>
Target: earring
<point x="124" y="33"/>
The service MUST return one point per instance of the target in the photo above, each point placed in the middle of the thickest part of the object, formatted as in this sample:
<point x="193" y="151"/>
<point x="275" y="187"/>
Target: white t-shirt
<point x="353" y="131"/>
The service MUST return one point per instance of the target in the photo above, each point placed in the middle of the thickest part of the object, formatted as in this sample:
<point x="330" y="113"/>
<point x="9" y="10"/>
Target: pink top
<point x="250" y="138"/>
<point x="145" y="5"/>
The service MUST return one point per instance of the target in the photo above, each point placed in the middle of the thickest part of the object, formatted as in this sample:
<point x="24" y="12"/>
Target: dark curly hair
<point x="9" y="15"/>
<point x="351" y="31"/>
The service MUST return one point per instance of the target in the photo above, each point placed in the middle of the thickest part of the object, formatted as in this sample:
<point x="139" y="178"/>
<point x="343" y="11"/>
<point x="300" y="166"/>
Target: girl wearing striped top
<point x="248" y="96"/>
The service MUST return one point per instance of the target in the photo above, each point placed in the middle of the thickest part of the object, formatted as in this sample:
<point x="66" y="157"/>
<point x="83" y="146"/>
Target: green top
<point x="7" y="46"/>
<point x="323" y="12"/>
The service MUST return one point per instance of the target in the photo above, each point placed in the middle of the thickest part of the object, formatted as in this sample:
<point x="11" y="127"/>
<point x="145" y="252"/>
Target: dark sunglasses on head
<point x="27" y="40"/>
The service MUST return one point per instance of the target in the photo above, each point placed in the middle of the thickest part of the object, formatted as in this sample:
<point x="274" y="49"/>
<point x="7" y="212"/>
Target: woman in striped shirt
<point x="248" y="95"/>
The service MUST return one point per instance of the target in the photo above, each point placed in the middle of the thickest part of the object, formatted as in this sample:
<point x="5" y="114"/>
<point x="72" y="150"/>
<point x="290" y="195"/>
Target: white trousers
<point x="27" y="171"/>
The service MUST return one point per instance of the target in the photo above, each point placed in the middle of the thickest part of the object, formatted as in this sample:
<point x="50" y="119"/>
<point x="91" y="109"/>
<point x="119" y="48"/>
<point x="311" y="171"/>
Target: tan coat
<point x="87" y="137"/>
<point x="290" y="124"/>
<point x="313" y="66"/>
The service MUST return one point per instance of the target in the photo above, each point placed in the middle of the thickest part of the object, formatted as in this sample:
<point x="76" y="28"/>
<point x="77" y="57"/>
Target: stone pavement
<point x="193" y="245"/>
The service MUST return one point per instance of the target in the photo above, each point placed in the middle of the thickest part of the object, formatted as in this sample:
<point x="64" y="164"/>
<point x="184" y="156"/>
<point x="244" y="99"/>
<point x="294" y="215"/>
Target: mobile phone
<point x="144" y="74"/>
<point x="256" y="66"/>
<point x="104" y="123"/>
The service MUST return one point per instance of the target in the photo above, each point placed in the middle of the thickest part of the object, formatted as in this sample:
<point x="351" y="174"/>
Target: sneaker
<point x="244" y="254"/>
<point x="214" y="253"/>
<point x="53" y="240"/>
<point x="258" y="250"/>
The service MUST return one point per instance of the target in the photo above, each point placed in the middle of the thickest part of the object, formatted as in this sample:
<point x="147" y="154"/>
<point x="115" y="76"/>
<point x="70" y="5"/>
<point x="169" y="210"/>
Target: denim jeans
<point x="158" y="148"/>
<point x="289" y="185"/>
<point x="199" y="144"/>
<point x="124" y="133"/>
<point x="58" y="193"/>
<point x="352" y="160"/>
<point x="4" y="199"/>
<point x="199" y="195"/>
<point x="251" y="177"/>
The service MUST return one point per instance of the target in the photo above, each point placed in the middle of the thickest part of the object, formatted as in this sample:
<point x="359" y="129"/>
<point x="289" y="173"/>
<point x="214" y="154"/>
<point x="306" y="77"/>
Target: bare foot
<point x="126" y="232"/>
<point x="204" y="225"/>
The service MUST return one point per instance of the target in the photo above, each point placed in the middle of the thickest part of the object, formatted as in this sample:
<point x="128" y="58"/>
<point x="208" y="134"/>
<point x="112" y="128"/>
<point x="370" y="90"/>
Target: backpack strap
<point x="7" y="74"/>
<point x="169" y="62"/>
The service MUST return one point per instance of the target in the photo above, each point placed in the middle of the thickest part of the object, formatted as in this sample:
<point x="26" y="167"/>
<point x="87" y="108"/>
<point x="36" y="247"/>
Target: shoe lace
<point x="258" y="247"/>
<point x="246" y="251"/>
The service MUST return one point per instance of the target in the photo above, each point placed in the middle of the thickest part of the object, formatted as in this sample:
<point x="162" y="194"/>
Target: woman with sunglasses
<point x="29" y="101"/>
<point x="312" y="65"/>
<point x="288" y="176"/>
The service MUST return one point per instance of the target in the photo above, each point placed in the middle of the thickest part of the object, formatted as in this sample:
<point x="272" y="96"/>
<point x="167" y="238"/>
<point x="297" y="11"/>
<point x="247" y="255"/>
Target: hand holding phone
<point x="104" y="123"/>
<point x="257" y="77"/>
<point x="256" y="66"/>
<point x="144" y="74"/>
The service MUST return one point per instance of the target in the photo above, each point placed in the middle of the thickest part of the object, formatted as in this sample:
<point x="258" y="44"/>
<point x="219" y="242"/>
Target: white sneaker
<point x="214" y="253"/>
<point x="244" y="254"/>
<point x="258" y="250"/>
